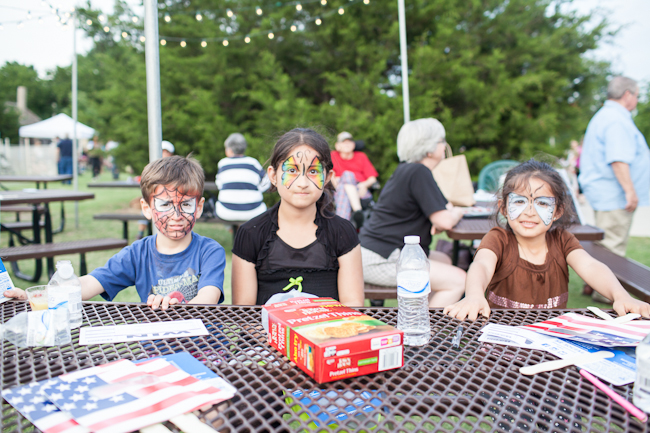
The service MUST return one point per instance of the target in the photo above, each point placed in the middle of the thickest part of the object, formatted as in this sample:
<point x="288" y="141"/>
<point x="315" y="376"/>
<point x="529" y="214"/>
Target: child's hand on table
<point x="468" y="307"/>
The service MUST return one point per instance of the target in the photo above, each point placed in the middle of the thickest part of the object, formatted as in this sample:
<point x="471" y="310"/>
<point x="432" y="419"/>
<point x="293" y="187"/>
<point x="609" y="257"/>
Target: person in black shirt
<point x="299" y="243"/>
<point x="412" y="204"/>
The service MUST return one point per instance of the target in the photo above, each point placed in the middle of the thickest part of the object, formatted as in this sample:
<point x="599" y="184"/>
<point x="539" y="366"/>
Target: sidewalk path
<point x="640" y="223"/>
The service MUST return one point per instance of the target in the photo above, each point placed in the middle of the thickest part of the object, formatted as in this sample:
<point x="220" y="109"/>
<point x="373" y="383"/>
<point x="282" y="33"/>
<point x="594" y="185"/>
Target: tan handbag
<point x="452" y="177"/>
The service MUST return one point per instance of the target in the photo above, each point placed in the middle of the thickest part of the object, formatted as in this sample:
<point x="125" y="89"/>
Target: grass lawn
<point x="109" y="200"/>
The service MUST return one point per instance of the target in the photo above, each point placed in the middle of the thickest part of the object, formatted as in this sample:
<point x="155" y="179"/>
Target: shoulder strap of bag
<point x="448" y="152"/>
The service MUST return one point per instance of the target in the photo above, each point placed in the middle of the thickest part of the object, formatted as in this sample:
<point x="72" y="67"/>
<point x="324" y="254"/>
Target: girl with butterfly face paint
<point x="300" y="236"/>
<point x="525" y="264"/>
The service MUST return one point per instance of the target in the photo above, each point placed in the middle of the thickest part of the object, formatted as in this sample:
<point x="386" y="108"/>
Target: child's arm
<point x="350" y="278"/>
<point x="479" y="276"/>
<point x="603" y="280"/>
<point x="244" y="282"/>
<point x="90" y="288"/>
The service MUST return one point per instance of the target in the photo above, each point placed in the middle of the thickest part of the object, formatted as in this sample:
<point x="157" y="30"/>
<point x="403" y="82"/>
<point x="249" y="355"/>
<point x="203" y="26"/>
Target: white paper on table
<point x="618" y="371"/>
<point x="141" y="331"/>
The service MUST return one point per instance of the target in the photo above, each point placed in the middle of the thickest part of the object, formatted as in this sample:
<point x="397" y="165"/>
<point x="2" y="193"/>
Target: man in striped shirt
<point x="241" y="181"/>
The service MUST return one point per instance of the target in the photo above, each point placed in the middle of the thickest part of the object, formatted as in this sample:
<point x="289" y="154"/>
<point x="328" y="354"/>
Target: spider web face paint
<point x="174" y="212"/>
<point x="544" y="206"/>
<point x="296" y="166"/>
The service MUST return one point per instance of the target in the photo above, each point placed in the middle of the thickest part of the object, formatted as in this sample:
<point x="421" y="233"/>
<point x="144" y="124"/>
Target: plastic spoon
<point x="561" y="363"/>
<point x="627" y="318"/>
<point x="600" y="313"/>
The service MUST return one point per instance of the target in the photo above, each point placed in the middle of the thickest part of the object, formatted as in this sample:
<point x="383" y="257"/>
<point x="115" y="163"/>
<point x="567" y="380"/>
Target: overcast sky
<point x="46" y="45"/>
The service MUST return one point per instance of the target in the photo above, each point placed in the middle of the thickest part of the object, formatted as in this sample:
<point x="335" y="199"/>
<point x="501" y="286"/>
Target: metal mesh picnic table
<point x="474" y="388"/>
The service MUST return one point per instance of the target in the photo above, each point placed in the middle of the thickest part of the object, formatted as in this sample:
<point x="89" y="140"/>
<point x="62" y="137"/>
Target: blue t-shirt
<point x="612" y="136"/>
<point x="140" y="264"/>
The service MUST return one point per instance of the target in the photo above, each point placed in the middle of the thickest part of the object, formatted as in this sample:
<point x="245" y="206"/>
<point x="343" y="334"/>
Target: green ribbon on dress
<point x="294" y="282"/>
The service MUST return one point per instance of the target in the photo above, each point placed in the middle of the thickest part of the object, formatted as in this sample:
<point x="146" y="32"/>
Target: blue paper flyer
<point x="5" y="282"/>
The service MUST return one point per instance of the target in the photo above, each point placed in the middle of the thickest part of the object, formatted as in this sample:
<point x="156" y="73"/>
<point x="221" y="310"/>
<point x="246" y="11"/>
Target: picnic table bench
<point x="633" y="276"/>
<point x="39" y="251"/>
<point x="125" y="218"/>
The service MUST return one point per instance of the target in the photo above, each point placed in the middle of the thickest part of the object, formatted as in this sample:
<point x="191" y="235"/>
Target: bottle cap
<point x="411" y="239"/>
<point x="64" y="268"/>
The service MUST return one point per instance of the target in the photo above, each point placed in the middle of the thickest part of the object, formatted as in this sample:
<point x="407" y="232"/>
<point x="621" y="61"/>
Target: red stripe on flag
<point x="62" y="427"/>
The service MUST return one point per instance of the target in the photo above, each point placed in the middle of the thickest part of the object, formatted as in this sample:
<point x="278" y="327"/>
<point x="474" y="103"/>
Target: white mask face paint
<point x="544" y="206"/>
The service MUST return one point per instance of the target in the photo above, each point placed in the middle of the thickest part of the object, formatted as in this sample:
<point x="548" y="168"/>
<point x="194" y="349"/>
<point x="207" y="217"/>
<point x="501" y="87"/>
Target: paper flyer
<point x="619" y="370"/>
<point x="5" y="282"/>
<point x="141" y="331"/>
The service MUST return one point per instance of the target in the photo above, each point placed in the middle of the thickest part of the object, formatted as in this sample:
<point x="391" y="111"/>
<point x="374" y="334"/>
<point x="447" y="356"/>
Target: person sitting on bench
<point x="241" y="181"/>
<point x="175" y="266"/>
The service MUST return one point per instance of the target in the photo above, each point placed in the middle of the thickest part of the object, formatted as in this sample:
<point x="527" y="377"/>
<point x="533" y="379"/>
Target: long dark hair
<point x="297" y="137"/>
<point x="518" y="178"/>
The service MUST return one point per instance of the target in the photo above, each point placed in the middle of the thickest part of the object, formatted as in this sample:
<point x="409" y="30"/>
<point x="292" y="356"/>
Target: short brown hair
<point x="184" y="173"/>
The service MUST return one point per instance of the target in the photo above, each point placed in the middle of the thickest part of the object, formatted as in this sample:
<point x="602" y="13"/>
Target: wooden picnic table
<point x="37" y="179"/>
<point x="476" y="228"/>
<point x="209" y="186"/>
<point x="475" y="387"/>
<point x="35" y="198"/>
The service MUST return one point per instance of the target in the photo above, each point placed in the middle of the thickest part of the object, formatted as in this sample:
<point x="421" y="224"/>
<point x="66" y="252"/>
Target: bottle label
<point x="58" y="297"/>
<point x="413" y="284"/>
<point x="40" y="329"/>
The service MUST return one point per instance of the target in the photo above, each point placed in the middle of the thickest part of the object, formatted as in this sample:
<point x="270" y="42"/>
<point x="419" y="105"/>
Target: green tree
<point x="8" y="123"/>
<point x="642" y="118"/>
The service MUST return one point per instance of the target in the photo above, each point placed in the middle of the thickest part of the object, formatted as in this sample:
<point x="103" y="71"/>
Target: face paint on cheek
<point x="290" y="172"/>
<point x="316" y="173"/>
<point x="516" y="205"/>
<point x="174" y="213"/>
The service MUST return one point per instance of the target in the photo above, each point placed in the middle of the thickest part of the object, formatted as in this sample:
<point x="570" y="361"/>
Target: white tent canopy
<point x="57" y="126"/>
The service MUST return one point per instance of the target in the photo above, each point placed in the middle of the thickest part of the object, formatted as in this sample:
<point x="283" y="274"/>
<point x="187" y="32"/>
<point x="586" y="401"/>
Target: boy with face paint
<point x="176" y="265"/>
<point x="525" y="264"/>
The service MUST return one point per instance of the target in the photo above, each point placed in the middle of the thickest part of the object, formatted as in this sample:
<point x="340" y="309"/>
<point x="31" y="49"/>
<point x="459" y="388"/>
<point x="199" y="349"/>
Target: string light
<point x="225" y="42"/>
<point x="134" y="19"/>
<point x="40" y="20"/>
<point x="106" y="29"/>
<point x="199" y="17"/>
<point x="341" y="11"/>
<point x="183" y="44"/>
<point x="366" y="2"/>
<point x="247" y="40"/>
<point x="125" y="35"/>
<point x="294" y="28"/>
<point x="318" y="21"/>
<point x="271" y="35"/>
<point x="89" y="22"/>
<point x="323" y="2"/>
<point x="20" y="24"/>
<point x="167" y="18"/>
<point x="258" y="10"/>
<point x="142" y="39"/>
<point x="163" y="42"/>
<point x="204" y="44"/>
<point x="298" y="7"/>
<point x="29" y="15"/>
<point x="229" y="13"/>
<point x="101" y="18"/>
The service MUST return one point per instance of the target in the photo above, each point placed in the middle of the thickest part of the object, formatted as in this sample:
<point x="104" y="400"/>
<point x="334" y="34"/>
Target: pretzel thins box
<point x="329" y="341"/>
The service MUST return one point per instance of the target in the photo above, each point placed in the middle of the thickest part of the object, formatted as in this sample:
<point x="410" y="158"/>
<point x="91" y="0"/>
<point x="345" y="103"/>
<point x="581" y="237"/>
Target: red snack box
<point x="330" y="341"/>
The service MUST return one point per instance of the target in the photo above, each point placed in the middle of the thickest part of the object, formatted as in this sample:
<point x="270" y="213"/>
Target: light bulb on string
<point x="89" y="22"/>
<point x="167" y="18"/>
<point x="142" y="39"/>
<point x="341" y="11"/>
<point x="204" y="44"/>
<point x="183" y="44"/>
<point x="198" y="16"/>
<point x="29" y="15"/>
<point x="247" y="40"/>
<point x="125" y="35"/>
<point x="294" y="28"/>
<point x="229" y="13"/>
<point x="318" y="21"/>
<point x="106" y="29"/>
<point x="271" y="35"/>
<point x="298" y="7"/>
<point x="67" y="14"/>
<point x="323" y="2"/>
<point x="40" y="20"/>
<point x="101" y="18"/>
<point x="225" y="42"/>
<point x="134" y="19"/>
<point x="163" y="42"/>
<point x="20" y="24"/>
<point x="258" y="10"/>
<point x="366" y="2"/>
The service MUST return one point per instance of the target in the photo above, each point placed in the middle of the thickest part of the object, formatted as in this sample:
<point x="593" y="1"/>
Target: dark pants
<point x="96" y="163"/>
<point x="65" y="166"/>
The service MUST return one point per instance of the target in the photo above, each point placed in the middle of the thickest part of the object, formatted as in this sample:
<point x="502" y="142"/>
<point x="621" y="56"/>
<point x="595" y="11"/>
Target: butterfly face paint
<point x="544" y="206"/>
<point x="174" y="212"/>
<point x="299" y="165"/>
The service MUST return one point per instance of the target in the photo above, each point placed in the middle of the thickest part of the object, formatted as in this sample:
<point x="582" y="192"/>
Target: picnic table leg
<point x="36" y="217"/>
<point x="455" y="252"/>
<point x="62" y="226"/>
<point x="48" y="240"/>
<point x="125" y="230"/>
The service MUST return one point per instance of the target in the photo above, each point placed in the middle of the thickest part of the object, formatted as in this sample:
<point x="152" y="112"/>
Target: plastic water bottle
<point x="65" y="288"/>
<point x="38" y="328"/>
<point x="642" y="382"/>
<point x="413" y="288"/>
